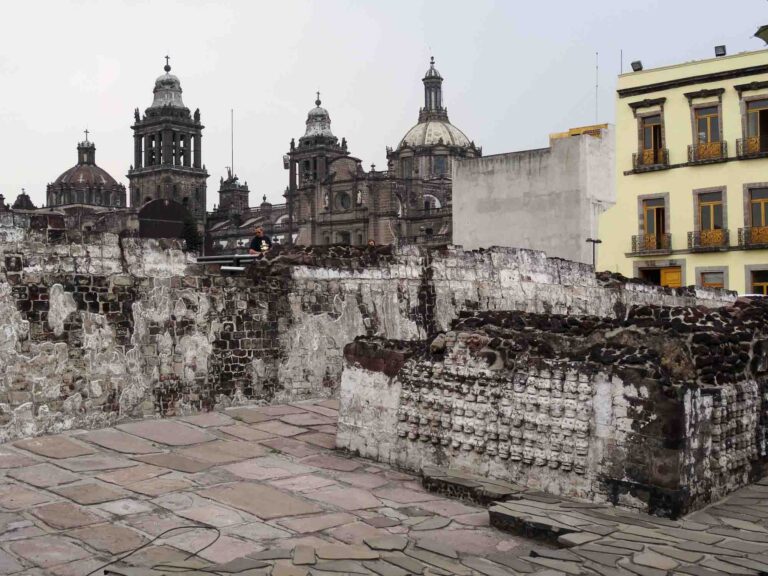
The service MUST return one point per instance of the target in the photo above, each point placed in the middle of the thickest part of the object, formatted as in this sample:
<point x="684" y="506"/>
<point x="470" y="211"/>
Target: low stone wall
<point x="94" y="328"/>
<point x="662" y="410"/>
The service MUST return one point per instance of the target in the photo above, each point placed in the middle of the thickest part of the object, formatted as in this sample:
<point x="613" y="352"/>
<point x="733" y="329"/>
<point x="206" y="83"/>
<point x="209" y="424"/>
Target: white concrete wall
<point x="547" y="199"/>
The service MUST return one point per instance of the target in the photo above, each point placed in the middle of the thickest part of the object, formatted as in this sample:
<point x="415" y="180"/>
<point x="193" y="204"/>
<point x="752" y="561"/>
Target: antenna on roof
<point x="232" y="138"/>
<point x="597" y="83"/>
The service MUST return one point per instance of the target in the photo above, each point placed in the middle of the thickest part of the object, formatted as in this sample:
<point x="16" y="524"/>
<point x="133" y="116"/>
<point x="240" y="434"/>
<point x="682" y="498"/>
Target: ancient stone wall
<point x="662" y="410"/>
<point x="103" y="328"/>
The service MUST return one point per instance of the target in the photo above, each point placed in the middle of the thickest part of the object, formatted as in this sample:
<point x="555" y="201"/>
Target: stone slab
<point x="10" y="459"/>
<point x="109" y="538"/>
<point x="132" y="475"/>
<point x="223" y="451"/>
<point x="266" y="468"/>
<point x="48" y="550"/>
<point x="278" y="428"/>
<point x="345" y="498"/>
<point x="174" y="461"/>
<point x="168" y="432"/>
<point x="317" y="522"/>
<point x="320" y="439"/>
<point x="120" y="441"/>
<point x="90" y="492"/>
<point x="17" y="497"/>
<point x="302" y="483"/>
<point x="43" y="475"/>
<point x="159" y="486"/>
<point x="246" y="433"/>
<point x="208" y="419"/>
<point x="330" y="462"/>
<point x="262" y="501"/>
<point x="54" y="447"/>
<point x="95" y="463"/>
<point x="65" y="515"/>
<point x="307" y="419"/>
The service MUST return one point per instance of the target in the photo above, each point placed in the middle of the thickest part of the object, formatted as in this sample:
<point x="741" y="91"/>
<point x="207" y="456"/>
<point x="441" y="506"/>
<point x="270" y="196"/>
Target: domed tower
<point x="308" y="168"/>
<point x="167" y="151"/>
<point x="424" y="156"/>
<point x="86" y="183"/>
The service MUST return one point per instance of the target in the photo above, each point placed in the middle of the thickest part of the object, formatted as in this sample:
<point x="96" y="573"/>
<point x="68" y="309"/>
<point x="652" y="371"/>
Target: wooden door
<point x="672" y="277"/>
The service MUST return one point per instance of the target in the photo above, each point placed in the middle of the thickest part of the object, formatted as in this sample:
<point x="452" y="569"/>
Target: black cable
<point x="156" y="538"/>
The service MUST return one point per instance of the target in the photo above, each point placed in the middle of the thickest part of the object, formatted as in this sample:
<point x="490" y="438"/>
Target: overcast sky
<point x="514" y="72"/>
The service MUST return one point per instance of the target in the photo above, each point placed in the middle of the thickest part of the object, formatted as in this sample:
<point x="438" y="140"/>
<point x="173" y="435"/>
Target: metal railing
<point x="708" y="151"/>
<point x="651" y="243"/>
<point x="752" y="146"/>
<point x="706" y="240"/>
<point x="426" y="240"/>
<point x="753" y="237"/>
<point x="653" y="159"/>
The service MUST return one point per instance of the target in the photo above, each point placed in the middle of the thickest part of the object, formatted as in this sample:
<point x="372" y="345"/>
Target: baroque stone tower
<point x="167" y="151"/>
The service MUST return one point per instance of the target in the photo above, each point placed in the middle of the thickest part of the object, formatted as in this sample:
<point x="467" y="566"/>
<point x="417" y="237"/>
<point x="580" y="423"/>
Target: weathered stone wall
<point x="104" y="328"/>
<point x="662" y="410"/>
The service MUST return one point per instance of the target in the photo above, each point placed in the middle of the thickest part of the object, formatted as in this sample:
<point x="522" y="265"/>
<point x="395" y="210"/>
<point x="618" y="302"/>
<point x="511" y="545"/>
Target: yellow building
<point x="692" y="175"/>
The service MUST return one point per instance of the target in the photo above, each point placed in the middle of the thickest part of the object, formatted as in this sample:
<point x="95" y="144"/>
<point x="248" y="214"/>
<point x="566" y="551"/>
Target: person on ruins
<point x="260" y="242"/>
<point x="371" y="242"/>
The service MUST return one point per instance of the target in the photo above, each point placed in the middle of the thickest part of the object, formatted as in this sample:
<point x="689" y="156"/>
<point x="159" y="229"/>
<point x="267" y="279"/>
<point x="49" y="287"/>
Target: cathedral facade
<point x="330" y="197"/>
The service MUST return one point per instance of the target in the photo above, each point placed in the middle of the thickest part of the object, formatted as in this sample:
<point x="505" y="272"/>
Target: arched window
<point x="343" y="201"/>
<point x="431" y="202"/>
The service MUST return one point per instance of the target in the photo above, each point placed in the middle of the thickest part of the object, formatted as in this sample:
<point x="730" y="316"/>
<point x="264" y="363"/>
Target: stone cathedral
<point x="330" y="198"/>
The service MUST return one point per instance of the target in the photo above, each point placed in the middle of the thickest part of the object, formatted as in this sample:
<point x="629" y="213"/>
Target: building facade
<point x="167" y="159"/>
<point x="547" y="199"/>
<point x="691" y="172"/>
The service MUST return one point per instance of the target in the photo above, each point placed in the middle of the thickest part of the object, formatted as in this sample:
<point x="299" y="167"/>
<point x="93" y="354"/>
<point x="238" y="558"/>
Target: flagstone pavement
<point x="259" y="491"/>
<point x="266" y="478"/>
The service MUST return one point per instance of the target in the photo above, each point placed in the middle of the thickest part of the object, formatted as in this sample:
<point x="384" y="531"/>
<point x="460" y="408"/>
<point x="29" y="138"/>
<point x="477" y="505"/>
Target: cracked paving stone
<point x="410" y="565"/>
<point x="250" y="415"/>
<point x="303" y="483"/>
<point x="213" y="515"/>
<point x="437" y="547"/>
<point x="257" y="531"/>
<point x="208" y="419"/>
<point x="346" y="552"/>
<point x="654" y="560"/>
<point x="175" y="462"/>
<point x="743" y="525"/>
<point x="386" y="543"/>
<point x="125" y="507"/>
<point x="119" y="441"/>
<point x="279" y="428"/>
<point x="132" y="474"/>
<point x="677" y="554"/>
<point x="291" y="447"/>
<point x="382" y="521"/>
<point x="65" y="515"/>
<point x="109" y="538"/>
<point x="744" y="546"/>
<point x="339" y="567"/>
<point x="54" y="447"/>
<point x="330" y="462"/>
<point x="404" y="495"/>
<point x="320" y="439"/>
<point x="78" y="567"/>
<point x="485" y="567"/>
<point x="168" y="432"/>
<point x="48" y="550"/>
<point x="727" y="568"/>
<point x="264" y="502"/>
<point x="317" y="522"/>
<point x="238" y="566"/>
<point x="439" y="561"/>
<point x="223" y="451"/>
<point x="266" y="468"/>
<point x="512" y="561"/>
<point x="577" y="538"/>
<point x="90" y="493"/>
<point x="627" y="564"/>
<point x="8" y="564"/>
<point x="43" y="475"/>
<point x="158" y="486"/>
<point x="285" y="568"/>
<point x="94" y="463"/>
<point x="345" y="498"/>
<point x="433" y="523"/>
<point x="307" y="419"/>
<point x="384" y="568"/>
<point x="696" y="570"/>
<point x="245" y="433"/>
<point x="560" y="565"/>
<point x="604" y="558"/>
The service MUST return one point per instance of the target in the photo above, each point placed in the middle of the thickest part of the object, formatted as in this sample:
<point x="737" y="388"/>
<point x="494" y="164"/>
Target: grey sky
<point x="514" y="72"/>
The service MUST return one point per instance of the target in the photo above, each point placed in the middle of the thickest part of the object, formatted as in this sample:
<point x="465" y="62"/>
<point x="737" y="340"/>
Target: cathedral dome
<point x="167" y="90"/>
<point x="86" y="173"/>
<point x="433" y="132"/>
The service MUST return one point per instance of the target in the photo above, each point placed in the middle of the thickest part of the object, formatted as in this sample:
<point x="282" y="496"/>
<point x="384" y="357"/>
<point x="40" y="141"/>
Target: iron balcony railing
<point x="708" y="240"/>
<point x="707" y="152"/>
<point x="651" y="243"/>
<point x="752" y="146"/>
<point x="426" y="240"/>
<point x="654" y="159"/>
<point x="753" y="237"/>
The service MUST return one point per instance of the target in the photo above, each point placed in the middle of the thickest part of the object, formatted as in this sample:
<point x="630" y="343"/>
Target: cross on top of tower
<point x="167" y="67"/>
<point x="86" y="134"/>
<point x="317" y="102"/>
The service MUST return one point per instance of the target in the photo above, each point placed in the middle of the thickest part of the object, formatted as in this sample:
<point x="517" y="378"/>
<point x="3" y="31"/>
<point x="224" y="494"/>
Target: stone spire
<point x="433" y="95"/>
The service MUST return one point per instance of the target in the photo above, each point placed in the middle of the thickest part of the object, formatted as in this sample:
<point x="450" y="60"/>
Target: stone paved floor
<point x="265" y="477"/>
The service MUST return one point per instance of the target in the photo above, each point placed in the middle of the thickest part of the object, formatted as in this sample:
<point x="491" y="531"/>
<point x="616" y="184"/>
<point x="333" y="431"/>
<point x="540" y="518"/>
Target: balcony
<point x="426" y="240"/>
<point x="708" y="152"/>
<point x="708" y="240"/>
<point x="649" y="160"/>
<point x="753" y="238"/>
<point x="651" y="244"/>
<point x="753" y="147"/>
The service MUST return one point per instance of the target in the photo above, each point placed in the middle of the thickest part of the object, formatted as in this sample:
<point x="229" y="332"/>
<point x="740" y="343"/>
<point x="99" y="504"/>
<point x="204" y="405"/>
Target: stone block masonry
<point x="98" y="328"/>
<point x="662" y="410"/>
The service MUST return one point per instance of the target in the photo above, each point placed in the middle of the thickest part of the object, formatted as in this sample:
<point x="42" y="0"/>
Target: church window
<point x="441" y="165"/>
<point x="407" y="167"/>
<point x="343" y="201"/>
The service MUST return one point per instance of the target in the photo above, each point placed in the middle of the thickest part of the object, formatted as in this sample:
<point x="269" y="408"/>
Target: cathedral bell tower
<point x="167" y="151"/>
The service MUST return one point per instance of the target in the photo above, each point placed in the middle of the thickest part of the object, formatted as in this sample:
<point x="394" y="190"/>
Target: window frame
<point x="749" y="272"/>
<point x="748" y="204"/>
<point x="700" y="271"/>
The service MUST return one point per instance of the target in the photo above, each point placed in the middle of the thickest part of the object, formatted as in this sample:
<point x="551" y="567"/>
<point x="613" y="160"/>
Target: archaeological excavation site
<point x="371" y="410"/>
